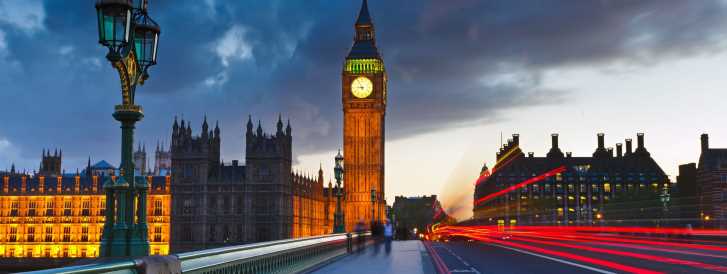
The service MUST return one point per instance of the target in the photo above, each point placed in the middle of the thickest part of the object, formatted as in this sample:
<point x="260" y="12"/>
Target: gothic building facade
<point x="217" y="204"/>
<point x="622" y="188"/>
<point x="50" y="164"/>
<point x="140" y="161"/>
<point x="48" y="215"/>
<point x="162" y="161"/>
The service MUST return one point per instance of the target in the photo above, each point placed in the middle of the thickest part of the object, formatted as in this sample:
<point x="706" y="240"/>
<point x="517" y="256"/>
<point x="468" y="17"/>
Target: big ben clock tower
<point x="364" y="110"/>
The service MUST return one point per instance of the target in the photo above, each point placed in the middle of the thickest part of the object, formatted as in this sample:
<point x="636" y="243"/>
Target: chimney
<point x="610" y="151"/>
<point x="516" y="139"/>
<point x="628" y="147"/>
<point x="640" y="148"/>
<point x="531" y="154"/>
<point x="619" y="150"/>
<point x="554" y="150"/>
<point x="568" y="154"/>
<point x="705" y="142"/>
<point x="601" y="141"/>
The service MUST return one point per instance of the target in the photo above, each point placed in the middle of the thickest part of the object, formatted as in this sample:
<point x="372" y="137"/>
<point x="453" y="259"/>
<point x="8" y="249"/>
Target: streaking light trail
<point x="617" y="248"/>
<point x="520" y="185"/>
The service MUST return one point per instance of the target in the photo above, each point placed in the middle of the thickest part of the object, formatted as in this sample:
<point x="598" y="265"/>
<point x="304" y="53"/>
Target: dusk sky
<point x="461" y="73"/>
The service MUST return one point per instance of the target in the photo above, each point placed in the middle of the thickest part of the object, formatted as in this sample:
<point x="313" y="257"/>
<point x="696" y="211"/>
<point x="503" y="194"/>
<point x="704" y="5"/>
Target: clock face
<point x="361" y="87"/>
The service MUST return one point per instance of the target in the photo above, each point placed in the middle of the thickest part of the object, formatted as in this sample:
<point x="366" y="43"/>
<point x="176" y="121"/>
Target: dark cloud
<point x="450" y="64"/>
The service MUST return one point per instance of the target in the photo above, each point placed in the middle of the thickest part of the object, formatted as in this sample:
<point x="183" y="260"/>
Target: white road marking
<point x="464" y="271"/>
<point x="471" y="270"/>
<point x="555" y="259"/>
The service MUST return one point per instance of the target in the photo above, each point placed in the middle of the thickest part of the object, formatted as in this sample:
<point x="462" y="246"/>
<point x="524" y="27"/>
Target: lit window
<point x="49" y="208"/>
<point x="30" y="234"/>
<point x="48" y="234"/>
<point x="14" y="208"/>
<point x="102" y="206"/>
<point x="157" y="233"/>
<point x="66" y="235"/>
<point x="86" y="208"/>
<point x="32" y="205"/>
<point x="84" y="233"/>
<point x="157" y="207"/>
<point x="67" y="208"/>
<point x="607" y="187"/>
<point x="13" y="234"/>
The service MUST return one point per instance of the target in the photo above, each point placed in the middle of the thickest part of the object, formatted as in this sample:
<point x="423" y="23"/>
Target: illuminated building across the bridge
<point x="563" y="189"/>
<point x="62" y="216"/>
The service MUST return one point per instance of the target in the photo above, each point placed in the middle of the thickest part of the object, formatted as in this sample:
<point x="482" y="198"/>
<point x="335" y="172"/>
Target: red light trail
<point x="575" y="243"/>
<point x="521" y="184"/>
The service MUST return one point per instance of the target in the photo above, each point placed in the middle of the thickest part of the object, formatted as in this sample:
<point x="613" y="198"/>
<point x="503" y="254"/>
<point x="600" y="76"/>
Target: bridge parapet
<point x="284" y="256"/>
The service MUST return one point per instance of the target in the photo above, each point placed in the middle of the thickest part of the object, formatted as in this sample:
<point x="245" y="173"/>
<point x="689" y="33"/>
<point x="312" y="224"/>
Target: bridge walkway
<point x="405" y="257"/>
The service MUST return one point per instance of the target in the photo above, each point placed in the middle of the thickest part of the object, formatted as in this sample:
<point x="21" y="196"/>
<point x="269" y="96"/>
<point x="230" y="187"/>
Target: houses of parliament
<point x="53" y="214"/>
<point x="217" y="204"/>
<point x="197" y="201"/>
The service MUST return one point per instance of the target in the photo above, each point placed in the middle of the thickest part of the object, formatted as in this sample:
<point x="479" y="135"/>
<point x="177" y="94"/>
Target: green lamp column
<point x="338" y="220"/>
<point x="132" y="38"/>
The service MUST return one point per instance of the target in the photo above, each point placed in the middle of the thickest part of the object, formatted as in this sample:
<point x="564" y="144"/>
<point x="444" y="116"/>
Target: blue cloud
<point x="286" y="57"/>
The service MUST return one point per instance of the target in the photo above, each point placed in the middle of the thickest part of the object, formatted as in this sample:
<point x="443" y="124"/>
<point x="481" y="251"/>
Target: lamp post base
<point x="127" y="228"/>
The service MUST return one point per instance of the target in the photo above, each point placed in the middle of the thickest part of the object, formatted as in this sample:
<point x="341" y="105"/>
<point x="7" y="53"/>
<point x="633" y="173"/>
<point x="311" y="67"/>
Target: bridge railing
<point x="283" y="256"/>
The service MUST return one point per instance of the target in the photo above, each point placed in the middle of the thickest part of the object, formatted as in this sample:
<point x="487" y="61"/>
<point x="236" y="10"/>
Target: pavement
<point x="405" y="257"/>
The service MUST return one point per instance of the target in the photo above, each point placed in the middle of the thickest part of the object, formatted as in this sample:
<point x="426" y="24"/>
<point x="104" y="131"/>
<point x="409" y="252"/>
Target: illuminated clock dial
<point x="361" y="87"/>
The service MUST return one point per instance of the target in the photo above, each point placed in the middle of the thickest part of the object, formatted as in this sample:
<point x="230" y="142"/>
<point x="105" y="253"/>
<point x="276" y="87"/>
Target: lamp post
<point x="373" y="205"/>
<point x="338" y="226"/>
<point x="665" y="199"/>
<point x="132" y="38"/>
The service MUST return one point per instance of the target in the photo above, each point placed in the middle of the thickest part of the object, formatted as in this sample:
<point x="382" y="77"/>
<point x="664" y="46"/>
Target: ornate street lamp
<point x="338" y="225"/>
<point x="132" y="38"/>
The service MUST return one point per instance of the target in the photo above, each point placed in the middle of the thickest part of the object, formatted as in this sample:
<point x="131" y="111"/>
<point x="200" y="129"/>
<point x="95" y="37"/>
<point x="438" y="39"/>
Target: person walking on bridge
<point x="388" y="235"/>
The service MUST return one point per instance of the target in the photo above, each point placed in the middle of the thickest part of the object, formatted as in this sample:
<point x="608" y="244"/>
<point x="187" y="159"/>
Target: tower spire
<point x="364" y="18"/>
<point x="364" y="46"/>
<point x="249" y="124"/>
<point x="217" y="129"/>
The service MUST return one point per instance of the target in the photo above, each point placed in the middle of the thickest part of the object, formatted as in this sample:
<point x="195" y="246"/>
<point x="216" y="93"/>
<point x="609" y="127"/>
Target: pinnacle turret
<point x="280" y="125"/>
